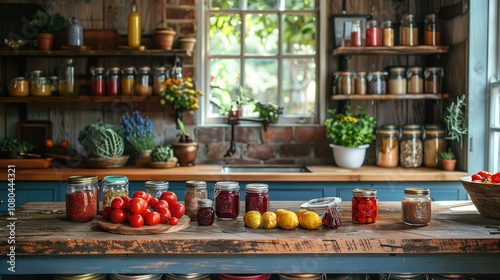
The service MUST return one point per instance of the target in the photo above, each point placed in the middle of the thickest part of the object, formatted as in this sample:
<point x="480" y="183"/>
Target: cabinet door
<point x="30" y="192"/>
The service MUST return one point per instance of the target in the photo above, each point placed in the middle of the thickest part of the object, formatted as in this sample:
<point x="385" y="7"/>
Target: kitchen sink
<point x="264" y="169"/>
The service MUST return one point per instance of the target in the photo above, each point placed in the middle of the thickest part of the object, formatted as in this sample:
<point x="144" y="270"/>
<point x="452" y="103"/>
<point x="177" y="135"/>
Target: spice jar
<point x="372" y="33"/>
<point x="416" y="207"/>
<point x="397" y="81"/>
<point x="160" y="75"/>
<point x="360" y="83"/>
<point x="113" y="81"/>
<point x="356" y="40"/>
<point x="205" y="214"/>
<point x="82" y="198"/>
<point x="433" y="79"/>
<point x="415" y="80"/>
<point x="128" y="81"/>
<point x="432" y="33"/>
<point x="156" y="188"/>
<point x="257" y="198"/>
<point x="143" y="84"/>
<point x="345" y="82"/>
<point x="19" y="86"/>
<point x="364" y="206"/>
<point x="377" y="83"/>
<point x="67" y="80"/>
<point x="409" y="31"/>
<point x="113" y="187"/>
<point x="411" y="148"/>
<point x="97" y="81"/>
<point x="387" y="148"/>
<point x="227" y="199"/>
<point x="434" y="143"/>
<point x="195" y="190"/>
<point x="387" y="33"/>
<point x="40" y="86"/>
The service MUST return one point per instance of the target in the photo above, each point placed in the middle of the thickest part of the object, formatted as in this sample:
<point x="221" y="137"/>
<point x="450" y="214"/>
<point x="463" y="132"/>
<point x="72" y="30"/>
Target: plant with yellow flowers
<point x="349" y="130"/>
<point x="181" y="94"/>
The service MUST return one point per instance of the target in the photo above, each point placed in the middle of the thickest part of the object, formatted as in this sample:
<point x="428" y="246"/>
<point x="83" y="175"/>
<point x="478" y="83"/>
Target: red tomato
<point x="161" y="204"/>
<point x="164" y="219"/>
<point x="64" y="143"/>
<point x="141" y="194"/>
<point x="152" y="218"/>
<point x="118" y="203"/>
<point x="164" y="211"/>
<point x="173" y="221"/>
<point x="118" y="216"/>
<point x="177" y="210"/>
<point x="127" y="200"/>
<point x="138" y="205"/>
<point x="153" y="201"/>
<point x="49" y="143"/>
<point x="484" y="174"/>
<point x="148" y="197"/>
<point x="106" y="213"/>
<point x="495" y="178"/>
<point x="136" y="220"/>
<point x="170" y="197"/>
<point x="143" y="214"/>
<point x="477" y="178"/>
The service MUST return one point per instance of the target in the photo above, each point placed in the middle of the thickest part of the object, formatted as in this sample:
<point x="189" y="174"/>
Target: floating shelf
<point x="427" y="96"/>
<point x="396" y="50"/>
<point x="80" y="98"/>
<point x="88" y="53"/>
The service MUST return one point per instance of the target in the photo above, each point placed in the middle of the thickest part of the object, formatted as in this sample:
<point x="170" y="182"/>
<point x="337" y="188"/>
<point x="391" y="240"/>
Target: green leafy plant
<point x="269" y="111"/>
<point x="138" y="131"/>
<point x="48" y="23"/>
<point x="184" y="136"/>
<point x="162" y="153"/>
<point x="15" y="145"/>
<point x="349" y="130"/>
<point x="455" y="120"/>
<point x="446" y="155"/>
<point x="102" y="140"/>
<point x="228" y="101"/>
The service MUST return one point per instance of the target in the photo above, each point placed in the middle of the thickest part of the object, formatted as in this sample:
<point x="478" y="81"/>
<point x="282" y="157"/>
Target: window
<point x="269" y="48"/>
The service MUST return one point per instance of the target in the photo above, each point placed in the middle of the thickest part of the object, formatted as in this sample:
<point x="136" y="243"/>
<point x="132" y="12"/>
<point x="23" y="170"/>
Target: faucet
<point x="236" y="120"/>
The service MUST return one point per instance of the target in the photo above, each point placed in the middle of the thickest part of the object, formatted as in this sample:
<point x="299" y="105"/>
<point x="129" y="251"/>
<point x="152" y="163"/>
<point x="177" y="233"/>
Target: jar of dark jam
<point x="257" y="198"/>
<point x="227" y="199"/>
<point x="205" y="215"/>
<point x="82" y="198"/>
<point x="416" y="207"/>
<point x="364" y="206"/>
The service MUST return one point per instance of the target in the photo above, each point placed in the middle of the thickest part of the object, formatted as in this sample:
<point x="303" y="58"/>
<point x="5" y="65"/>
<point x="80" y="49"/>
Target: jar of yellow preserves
<point x="19" y="86"/>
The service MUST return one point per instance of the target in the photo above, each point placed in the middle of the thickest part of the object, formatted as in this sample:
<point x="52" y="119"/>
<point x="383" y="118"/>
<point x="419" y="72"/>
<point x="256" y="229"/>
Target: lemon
<point x="279" y="211"/>
<point x="300" y="212"/>
<point x="288" y="220"/>
<point x="269" y="220"/>
<point x="310" y="220"/>
<point x="252" y="219"/>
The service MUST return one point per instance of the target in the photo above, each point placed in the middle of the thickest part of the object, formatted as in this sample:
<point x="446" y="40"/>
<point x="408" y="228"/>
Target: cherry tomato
<point x="118" y="203"/>
<point x="153" y="201"/>
<point x="164" y="219"/>
<point x="477" y="178"/>
<point x="141" y="194"/>
<point x="161" y="204"/>
<point x="148" y="197"/>
<point x="495" y="178"/>
<point x="164" y="211"/>
<point x="484" y="174"/>
<point x="138" y="205"/>
<point x="126" y="200"/>
<point x="152" y="218"/>
<point x="106" y="213"/>
<point x="64" y="144"/>
<point x="118" y="216"/>
<point x="143" y="214"/>
<point x="173" y="221"/>
<point x="49" y="143"/>
<point x="170" y="197"/>
<point x="136" y="220"/>
<point x="177" y="210"/>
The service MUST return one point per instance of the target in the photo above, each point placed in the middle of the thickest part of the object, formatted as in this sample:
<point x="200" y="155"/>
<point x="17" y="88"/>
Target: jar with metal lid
<point x="387" y="33"/>
<point x="113" y="81"/>
<point x="387" y="148"/>
<point x="257" y="197"/>
<point x="415" y="78"/>
<point x="82" y="198"/>
<point x="68" y="85"/>
<point x="160" y="76"/>
<point x="433" y="79"/>
<point x="429" y="127"/>
<point x="195" y="190"/>
<point x="434" y="143"/>
<point x="372" y="33"/>
<point x="412" y="126"/>
<point x="377" y="83"/>
<point x="156" y="188"/>
<point x="97" y="81"/>
<point x="409" y="31"/>
<point x="306" y="276"/>
<point x="411" y="148"/>
<point x="364" y="206"/>
<point x="188" y="276"/>
<point x="128" y="81"/>
<point x="432" y="30"/>
<point x="205" y="214"/>
<point x="87" y="276"/>
<point x="403" y="276"/>
<point x="135" y="276"/>
<point x="113" y="187"/>
<point x="345" y="82"/>
<point x="143" y="84"/>
<point x="244" y="276"/>
<point x="360" y="83"/>
<point x="356" y="34"/>
<point x="227" y="199"/>
<point x="397" y="81"/>
<point x="466" y="276"/>
<point x="40" y="86"/>
<point x="19" y="86"/>
<point x="54" y="84"/>
<point x="416" y="207"/>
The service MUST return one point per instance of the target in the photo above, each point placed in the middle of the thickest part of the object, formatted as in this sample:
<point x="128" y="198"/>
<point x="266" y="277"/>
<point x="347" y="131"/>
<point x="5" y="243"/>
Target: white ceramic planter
<point x="346" y="157"/>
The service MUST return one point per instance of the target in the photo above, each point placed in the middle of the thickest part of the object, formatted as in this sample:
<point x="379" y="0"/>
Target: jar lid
<point x="321" y="203"/>
<point x="82" y="179"/>
<point x="87" y="276"/>
<point x="303" y="276"/>
<point x="420" y="191"/>
<point x="387" y="131"/>
<point x="20" y="79"/>
<point x="412" y="126"/>
<point x="257" y="188"/>
<point x="409" y="16"/>
<point x="389" y="126"/>
<point x="412" y="131"/>
<point x="114" y="69"/>
<point x="135" y="276"/>
<point x="156" y="185"/>
<point x="434" y="69"/>
<point x="244" y="276"/>
<point x="415" y="68"/>
<point x="99" y="69"/>
<point x="228" y="185"/>
<point x="387" y="23"/>
<point x="431" y="16"/>
<point x="36" y="73"/>
<point x="396" y="69"/>
<point x="406" y="276"/>
<point x="41" y="80"/>
<point x="435" y="131"/>
<point x="361" y="73"/>
<point x="364" y="192"/>
<point x="344" y="73"/>
<point x="379" y="73"/>
<point x="205" y="202"/>
<point x="129" y="69"/>
<point x="196" y="185"/>
<point x="161" y="68"/>
<point x="191" y="276"/>
<point x="144" y="68"/>
<point x="115" y="180"/>
<point x="433" y="126"/>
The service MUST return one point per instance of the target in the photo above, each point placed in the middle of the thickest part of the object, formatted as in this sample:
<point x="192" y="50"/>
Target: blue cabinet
<point x="32" y="192"/>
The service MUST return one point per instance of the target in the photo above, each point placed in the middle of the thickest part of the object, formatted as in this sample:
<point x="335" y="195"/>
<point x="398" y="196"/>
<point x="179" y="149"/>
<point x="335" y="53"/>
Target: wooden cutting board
<point x="145" y="229"/>
<point x="27" y="162"/>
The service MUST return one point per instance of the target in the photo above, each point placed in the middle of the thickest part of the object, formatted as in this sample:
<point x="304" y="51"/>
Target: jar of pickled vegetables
<point x="19" y="86"/>
<point x="143" y="83"/>
<point x="82" y="198"/>
<point x="364" y="206"/>
<point x="227" y="199"/>
<point x="128" y="81"/>
<point x="40" y="86"/>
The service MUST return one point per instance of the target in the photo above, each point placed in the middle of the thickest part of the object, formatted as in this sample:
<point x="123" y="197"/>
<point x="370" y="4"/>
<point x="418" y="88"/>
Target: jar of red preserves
<point x="364" y="206"/>
<point x="227" y="199"/>
<point x="82" y="198"/>
<point x="97" y="81"/>
<point x="113" y="81"/>
<point x="257" y="198"/>
<point x="206" y="214"/>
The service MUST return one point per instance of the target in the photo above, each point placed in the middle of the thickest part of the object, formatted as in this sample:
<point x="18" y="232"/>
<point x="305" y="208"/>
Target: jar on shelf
<point x="156" y="188"/>
<point x="227" y="199"/>
<point x="195" y="190"/>
<point x="356" y="40"/>
<point x="113" y="187"/>
<point x="432" y="30"/>
<point x="54" y="84"/>
<point x="377" y="83"/>
<point x="40" y="86"/>
<point x="160" y="76"/>
<point x="360" y="85"/>
<point x="415" y="78"/>
<point x="143" y="84"/>
<point x="82" y="198"/>
<point x="372" y="33"/>
<point x="397" y="81"/>
<point x="429" y="127"/>
<point x="113" y="81"/>
<point x="409" y="31"/>
<point x="345" y="82"/>
<point x="257" y="197"/>
<point x="403" y="276"/>
<point x="387" y="148"/>
<point x="68" y="84"/>
<point x="205" y="214"/>
<point x="19" y="86"/>
<point x="416" y="207"/>
<point x="97" y="81"/>
<point x="433" y="79"/>
<point x="434" y="143"/>
<point x="411" y="148"/>
<point x="364" y="206"/>
<point x="387" y="33"/>
<point x="128" y="81"/>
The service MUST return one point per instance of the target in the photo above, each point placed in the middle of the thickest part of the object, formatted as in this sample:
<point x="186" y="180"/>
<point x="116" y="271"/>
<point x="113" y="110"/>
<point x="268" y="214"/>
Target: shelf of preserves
<point x="427" y="96"/>
<point x="89" y="53"/>
<point x="396" y="50"/>
<point x="79" y="98"/>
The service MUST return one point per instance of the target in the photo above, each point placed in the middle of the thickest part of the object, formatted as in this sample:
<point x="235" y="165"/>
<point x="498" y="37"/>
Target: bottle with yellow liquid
<point x="67" y="82"/>
<point x="134" y="27"/>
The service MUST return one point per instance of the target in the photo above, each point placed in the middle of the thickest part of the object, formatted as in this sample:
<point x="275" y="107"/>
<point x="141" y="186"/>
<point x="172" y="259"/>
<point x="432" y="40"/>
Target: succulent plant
<point x="162" y="153"/>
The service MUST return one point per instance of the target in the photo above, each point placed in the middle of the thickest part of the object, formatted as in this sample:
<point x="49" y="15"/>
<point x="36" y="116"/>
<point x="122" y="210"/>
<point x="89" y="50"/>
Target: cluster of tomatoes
<point x="142" y="209"/>
<point x="486" y="177"/>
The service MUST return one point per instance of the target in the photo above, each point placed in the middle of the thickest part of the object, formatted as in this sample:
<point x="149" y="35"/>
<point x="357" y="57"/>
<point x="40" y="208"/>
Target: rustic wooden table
<point x="456" y="241"/>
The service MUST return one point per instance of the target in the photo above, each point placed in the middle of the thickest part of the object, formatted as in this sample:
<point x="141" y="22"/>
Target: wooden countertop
<point x="321" y="173"/>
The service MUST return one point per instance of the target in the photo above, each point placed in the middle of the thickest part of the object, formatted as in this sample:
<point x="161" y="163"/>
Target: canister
<point x="372" y="33"/>
<point x="40" y="86"/>
<point x="415" y="78"/>
<point x="227" y="199"/>
<point x="360" y="83"/>
<point x="195" y="190"/>
<point x="411" y="148"/>
<point x="128" y="81"/>
<point x="257" y="197"/>
<point x="409" y="31"/>
<point x="387" y="33"/>
<point x="387" y="149"/>
<point x="19" y="86"/>
<point x="97" y="80"/>
<point x="364" y="206"/>
<point x="377" y="83"/>
<point x="113" y="187"/>
<point x="434" y="143"/>
<point x="113" y="86"/>
<point x="432" y="31"/>
<point x="433" y="79"/>
<point x="356" y="34"/>
<point x="143" y="83"/>
<point x="160" y="76"/>
<point x="82" y="198"/>
<point x="416" y="207"/>
<point x="397" y="81"/>
<point x="345" y="82"/>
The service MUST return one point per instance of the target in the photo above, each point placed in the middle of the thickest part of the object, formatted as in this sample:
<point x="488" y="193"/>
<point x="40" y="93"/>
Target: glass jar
<point x="205" y="214"/>
<point x="113" y="187"/>
<point x="19" y="86"/>
<point x="412" y="126"/>
<point x="40" y="86"/>
<point x="387" y="33"/>
<point x="434" y="143"/>
<point x="432" y="33"/>
<point x="113" y="81"/>
<point x="411" y="148"/>
<point x="160" y="76"/>
<point x="364" y="206"/>
<point x="195" y="190"/>
<point x="409" y="31"/>
<point x="156" y="188"/>
<point x="415" y="80"/>
<point x="331" y="217"/>
<point x="345" y="82"/>
<point x="87" y="276"/>
<point x="397" y="81"/>
<point x="387" y="148"/>
<point x="82" y="200"/>
<point x="143" y="84"/>
<point x="416" y="207"/>
<point x="403" y="276"/>
<point x="97" y="81"/>
<point x="377" y="83"/>
<point x="306" y="276"/>
<point x="356" y="40"/>
<point x="135" y="276"/>
<point x="227" y="199"/>
<point x="372" y="33"/>
<point x="433" y="79"/>
<point x="360" y="83"/>
<point x="466" y="276"/>
<point x="54" y="84"/>
<point x="257" y="198"/>
<point x="67" y="82"/>
<point x="188" y="276"/>
<point x="128" y="81"/>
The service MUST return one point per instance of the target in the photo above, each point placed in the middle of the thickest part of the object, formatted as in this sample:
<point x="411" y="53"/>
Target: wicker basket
<point x="486" y="197"/>
<point x="106" y="162"/>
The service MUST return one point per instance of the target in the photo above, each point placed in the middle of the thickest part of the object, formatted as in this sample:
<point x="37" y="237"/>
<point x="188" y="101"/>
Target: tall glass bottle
<point x="134" y="27"/>
<point x="67" y="82"/>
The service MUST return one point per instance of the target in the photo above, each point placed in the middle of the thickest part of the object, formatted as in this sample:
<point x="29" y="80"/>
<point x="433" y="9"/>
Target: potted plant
<point x="186" y="150"/>
<point x="47" y="25"/>
<point x="350" y="135"/>
<point x="182" y="94"/>
<point x="162" y="156"/>
<point x="139" y="136"/>
<point x="230" y="102"/>
<point x="454" y="119"/>
<point x="269" y="111"/>
<point x="448" y="159"/>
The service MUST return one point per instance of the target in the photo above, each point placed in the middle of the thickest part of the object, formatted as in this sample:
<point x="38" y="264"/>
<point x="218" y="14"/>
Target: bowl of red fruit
<point x="484" y="191"/>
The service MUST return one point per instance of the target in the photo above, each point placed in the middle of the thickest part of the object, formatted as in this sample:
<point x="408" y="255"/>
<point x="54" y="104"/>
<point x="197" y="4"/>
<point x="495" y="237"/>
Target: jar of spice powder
<point x="434" y="143"/>
<point x="387" y="33"/>
<point x="143" y="84"/>
<point x="387" y="148"/>
<point x="415" y="80"/>
<point x="372" y="33"/>
<point x="128" y="81"/>
<point x="113" y="81"/>
<point x="195" y="190"/>
<point x="432" y="33"/>
<point x="227" y="199"/>
<point x="409" y="31"/>
<point x="345" y="82"/>
<point x="397" y="81"/>
<point x="433" y="79"/>
<point x="82" y="198"/>
<point x="97" y="81"/>
<point x="360" y="83"/>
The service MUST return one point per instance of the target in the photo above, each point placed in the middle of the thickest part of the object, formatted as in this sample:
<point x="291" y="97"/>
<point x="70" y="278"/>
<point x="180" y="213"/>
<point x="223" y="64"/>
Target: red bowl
<point x="486" y="197"/>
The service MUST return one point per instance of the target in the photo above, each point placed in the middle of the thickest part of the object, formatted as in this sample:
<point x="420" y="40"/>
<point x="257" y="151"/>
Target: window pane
<point x="299" y="34"/>
<point x="261" y="4"/>
<point x="261" y="81"/>
<point x="299" y="4"/>
<point x="225" y="5"/>
<point x="261" y="35"/>
<point x="495" y="151"/>
<point x="224" y="78"/>
<point x="299" y="86"/>
<point x="495" y="106"/>
<point x="224" y="34"/>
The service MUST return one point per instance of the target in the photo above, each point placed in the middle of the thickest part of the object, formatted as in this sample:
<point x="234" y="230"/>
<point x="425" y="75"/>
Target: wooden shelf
<point x="427" y="96"/>
<point x="396" y="50"/>
<point x="80" y="98"/>
<point x="88" y="53"/>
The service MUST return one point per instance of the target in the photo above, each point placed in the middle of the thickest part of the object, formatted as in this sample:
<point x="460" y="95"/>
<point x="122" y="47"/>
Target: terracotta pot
<point x="143" y="158"/>
<point x="187" y="43"/>
<point x="186" y="153"/>
<point x="164" y="38"/>
<point x="449" y="164"/>
<point x="45" y="41"/>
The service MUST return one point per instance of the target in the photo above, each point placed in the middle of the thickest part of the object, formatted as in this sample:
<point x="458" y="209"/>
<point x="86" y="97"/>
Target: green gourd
<point x="162" y="153"/>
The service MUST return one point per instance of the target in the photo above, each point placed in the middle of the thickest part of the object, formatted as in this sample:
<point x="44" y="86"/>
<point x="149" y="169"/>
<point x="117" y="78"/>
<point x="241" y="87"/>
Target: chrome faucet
<point x="233" y="121"/>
